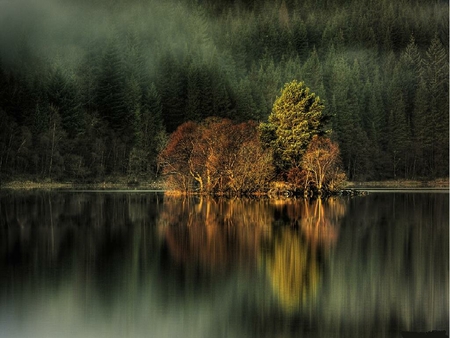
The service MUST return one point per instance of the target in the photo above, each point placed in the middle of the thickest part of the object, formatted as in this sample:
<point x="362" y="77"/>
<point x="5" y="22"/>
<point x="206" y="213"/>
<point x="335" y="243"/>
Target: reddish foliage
<point x="217" y="154"/>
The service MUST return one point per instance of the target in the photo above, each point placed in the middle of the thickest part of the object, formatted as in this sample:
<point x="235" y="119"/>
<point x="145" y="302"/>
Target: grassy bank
<point x="437" y="183"/>
<point x="108" y="183"/>
<point x="158" y="184"/>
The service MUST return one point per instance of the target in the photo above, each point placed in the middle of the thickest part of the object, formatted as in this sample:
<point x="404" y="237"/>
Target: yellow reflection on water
<point x="293" y="270"/>
<point x="311" y="231"/>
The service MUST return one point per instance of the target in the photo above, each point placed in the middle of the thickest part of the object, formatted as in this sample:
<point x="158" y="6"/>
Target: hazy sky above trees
<point x="64" y="30"/>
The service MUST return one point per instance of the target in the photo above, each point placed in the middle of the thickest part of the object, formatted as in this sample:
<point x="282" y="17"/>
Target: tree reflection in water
<point x="215" y="233"/>
<point x="220" y="233"/>
<point x="309" y="232"/>
<point x="134" y="264"/>
<point x="293" y="270"/>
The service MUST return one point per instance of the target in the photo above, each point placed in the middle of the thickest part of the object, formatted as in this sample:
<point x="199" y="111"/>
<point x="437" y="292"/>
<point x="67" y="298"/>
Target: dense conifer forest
<point x="93" y="89"/>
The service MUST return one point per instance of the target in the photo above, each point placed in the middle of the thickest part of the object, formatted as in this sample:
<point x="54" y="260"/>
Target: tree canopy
<point x="322" y="164"/>
<point x="216" y="156"/>
<point x="297" y="115"/>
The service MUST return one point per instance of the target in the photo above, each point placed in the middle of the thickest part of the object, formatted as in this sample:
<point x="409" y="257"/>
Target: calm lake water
<point x="140" y="264"/>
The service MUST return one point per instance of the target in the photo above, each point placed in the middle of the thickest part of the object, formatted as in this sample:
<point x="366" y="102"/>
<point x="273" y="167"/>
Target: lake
<point x="141" y="264"/>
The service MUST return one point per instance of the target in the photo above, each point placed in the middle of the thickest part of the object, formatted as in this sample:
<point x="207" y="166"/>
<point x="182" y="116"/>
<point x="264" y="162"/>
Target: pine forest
<point x="94" y="89"/>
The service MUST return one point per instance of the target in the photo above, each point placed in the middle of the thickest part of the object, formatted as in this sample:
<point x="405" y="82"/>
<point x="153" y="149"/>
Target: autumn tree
<point x="252" y="165"/>
<point x="297" y="115"/>
<point x="322" y="161"/>
<point x="218" y="155"/>
<point x="175" y="158"/>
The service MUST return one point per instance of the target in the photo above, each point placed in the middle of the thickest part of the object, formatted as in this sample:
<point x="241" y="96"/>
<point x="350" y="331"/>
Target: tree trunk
<point x="52" y="151"/>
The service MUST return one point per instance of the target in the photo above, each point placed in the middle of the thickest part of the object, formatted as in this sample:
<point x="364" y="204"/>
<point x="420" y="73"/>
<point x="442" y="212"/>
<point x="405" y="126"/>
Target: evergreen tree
<point x="222" y="106"/>
<point x="8" y="131"/>
<point x="194" y="94"/>
<point x="410" y="66"/>
<point x="62" y="94"/>
<point x="172" y="86"/>
<point x="266" y="81"/>
<point x="245" y="104"/>
<point x="313" y="74"/>
<point x="132" y="97"/>
<point x="398" y="138"/>
<point x="230" y="61"/>
<point x="110" y="101"/>
<point x="300" y="39"/>
<point x="297" y="115"/>
<point x="423" y="139"/>
<point x="436" y="75"/>
<point x="347" y="124"/>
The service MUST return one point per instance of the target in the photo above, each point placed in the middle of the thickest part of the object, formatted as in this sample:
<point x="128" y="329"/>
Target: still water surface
<point x="139" y="264"/>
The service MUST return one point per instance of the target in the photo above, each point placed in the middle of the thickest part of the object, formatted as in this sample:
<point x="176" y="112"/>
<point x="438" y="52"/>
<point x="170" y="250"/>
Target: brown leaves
<point x="322" y="161"/>
<point x="216" y="156"/>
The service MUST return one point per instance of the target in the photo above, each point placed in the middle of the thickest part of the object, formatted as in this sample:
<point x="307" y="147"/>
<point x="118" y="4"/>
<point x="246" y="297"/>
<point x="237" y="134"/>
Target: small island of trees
<point x="291" y="153"/>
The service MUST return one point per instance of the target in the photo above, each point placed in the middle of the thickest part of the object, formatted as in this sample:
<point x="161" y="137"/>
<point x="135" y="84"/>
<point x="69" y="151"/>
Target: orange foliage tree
<point x="216" y="156"/>
<point x="175" y="158"/>
<point x="322" y="161"/>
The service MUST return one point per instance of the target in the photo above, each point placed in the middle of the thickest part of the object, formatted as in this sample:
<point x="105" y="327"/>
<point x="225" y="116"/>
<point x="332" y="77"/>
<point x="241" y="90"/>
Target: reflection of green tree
<point x="293" y="266"/>
<point x="293" y="270"/>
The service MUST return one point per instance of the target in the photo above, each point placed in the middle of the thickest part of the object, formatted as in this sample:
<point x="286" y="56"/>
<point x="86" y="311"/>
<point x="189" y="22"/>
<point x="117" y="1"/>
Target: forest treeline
<point x="86" y="95"/>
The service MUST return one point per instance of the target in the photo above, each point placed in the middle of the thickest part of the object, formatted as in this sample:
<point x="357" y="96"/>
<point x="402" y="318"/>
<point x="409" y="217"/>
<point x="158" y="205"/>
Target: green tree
<point x="313" y="73"/>
<point x="48" y="142"/>
<point x="110" y="96"/>
<point x="423" y="139"/>
<point x="300" y="39"/>
<point x="194" y="94"/>
<point x="172" y="86"/>
<point x="436" y="75"/>
<point x="345" y="108"/>
<point x="8" y="131"/>
<point x="151" y="130"/>
<point x="398" y="138"/>
<point x="297" y="115"/>
<point x="245" y="104"/>
<point x="62" y="93"/>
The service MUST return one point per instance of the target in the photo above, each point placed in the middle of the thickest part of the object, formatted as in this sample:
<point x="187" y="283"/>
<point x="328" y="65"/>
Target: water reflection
<point x="293" y="270"/>
<point x="137" y="264"/>
<point x="393" y="261"/>
<point x="216" y="234"/>
<point x="307" y="235"/>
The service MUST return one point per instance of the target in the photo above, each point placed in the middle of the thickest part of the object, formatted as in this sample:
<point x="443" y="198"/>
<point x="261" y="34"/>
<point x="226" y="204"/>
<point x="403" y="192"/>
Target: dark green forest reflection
<point x="138" y="264"/>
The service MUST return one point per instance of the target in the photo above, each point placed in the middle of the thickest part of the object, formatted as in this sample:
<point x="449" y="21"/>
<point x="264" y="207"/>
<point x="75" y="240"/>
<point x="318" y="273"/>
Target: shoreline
<point x="106" y="185"/>
<point x="158" y="185"/>
<point x="440" y="183"/>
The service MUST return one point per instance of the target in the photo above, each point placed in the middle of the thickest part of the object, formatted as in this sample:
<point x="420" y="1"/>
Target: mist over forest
<point x="93" y="89"/>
